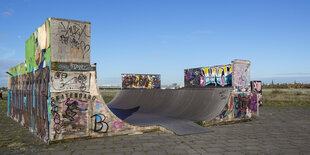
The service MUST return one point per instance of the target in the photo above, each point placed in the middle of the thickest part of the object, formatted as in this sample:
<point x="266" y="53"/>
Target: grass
<point x="108" y="95"/>
<point x="286" y="97"/>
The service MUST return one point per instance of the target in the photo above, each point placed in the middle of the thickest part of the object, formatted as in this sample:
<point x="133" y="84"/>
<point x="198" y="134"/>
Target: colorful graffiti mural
<point x="28" y="99"/>
<point x="243" y="102"/>
<point x="17" y="70"/>
<point x="150" y="81"/>
<point x="239" y="106"/>
<point x="256" y="93"/>
<point x="241" y="75"/>
<point x="208" y="76"/>
<point x="37" y="48"/>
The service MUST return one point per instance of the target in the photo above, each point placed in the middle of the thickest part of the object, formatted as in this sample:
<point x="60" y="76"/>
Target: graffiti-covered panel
<point x="239" y="106"/>
<point x="241" y="75"/>
<point x="208" y="76"/>
<point x="27" y="102"/>
<point x="69" y="81"/>
<point x="70" y="41"/>
<point x="37" y="49"/>
<point x="17" y="70"/>
<point x="140" y="81"/>
<point x="256" y="93"/>
<point x="69" y="114"/>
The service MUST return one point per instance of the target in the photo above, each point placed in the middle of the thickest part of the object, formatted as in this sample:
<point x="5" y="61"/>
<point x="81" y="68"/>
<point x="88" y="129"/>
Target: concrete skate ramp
<point x="176" y="110"/>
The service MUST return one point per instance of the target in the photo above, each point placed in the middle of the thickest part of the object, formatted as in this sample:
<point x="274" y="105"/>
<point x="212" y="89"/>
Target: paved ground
<point x="279" y="130"/>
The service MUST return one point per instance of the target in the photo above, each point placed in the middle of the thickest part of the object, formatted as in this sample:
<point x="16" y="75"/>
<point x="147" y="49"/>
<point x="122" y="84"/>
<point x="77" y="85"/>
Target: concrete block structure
<point x="54" y="92"/>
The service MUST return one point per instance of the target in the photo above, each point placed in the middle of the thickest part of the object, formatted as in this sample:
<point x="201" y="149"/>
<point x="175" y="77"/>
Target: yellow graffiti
<point x="206" y="70"/>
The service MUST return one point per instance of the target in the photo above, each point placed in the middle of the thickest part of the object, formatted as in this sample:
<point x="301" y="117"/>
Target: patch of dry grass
<point x="284" y="97"/>
<point x="108" y="95"/>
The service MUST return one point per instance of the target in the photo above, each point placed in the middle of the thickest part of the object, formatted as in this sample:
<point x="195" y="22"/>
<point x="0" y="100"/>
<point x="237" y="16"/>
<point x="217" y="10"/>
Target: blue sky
<point x="167" y="36"/>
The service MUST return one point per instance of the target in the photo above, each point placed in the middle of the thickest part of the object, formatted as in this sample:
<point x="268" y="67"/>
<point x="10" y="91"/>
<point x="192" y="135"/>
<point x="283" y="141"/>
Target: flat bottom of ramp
<point x="178" y="126"/>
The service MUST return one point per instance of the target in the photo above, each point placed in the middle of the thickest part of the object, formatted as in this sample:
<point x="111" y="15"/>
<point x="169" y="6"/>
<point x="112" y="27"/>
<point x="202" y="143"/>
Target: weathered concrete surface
<point x="175" y="110"/>
<point x="280" y="130"/>
<point x="70" y="40"/>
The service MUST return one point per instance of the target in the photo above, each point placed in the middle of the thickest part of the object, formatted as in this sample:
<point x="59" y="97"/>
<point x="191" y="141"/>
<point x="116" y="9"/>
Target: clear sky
<point x="167" y="36"/>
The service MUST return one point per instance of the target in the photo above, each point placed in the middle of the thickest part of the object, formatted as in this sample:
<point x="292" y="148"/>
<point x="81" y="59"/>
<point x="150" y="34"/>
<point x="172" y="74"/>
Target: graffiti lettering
<point x="72" y="34"/>
<point x="100" y="125"/>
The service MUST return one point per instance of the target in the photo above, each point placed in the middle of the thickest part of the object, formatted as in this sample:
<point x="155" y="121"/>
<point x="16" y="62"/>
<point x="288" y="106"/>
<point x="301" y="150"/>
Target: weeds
<point x="286" y="97"/>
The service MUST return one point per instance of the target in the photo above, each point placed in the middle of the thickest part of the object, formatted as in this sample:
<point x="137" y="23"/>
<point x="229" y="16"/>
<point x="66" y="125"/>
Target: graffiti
<point x="256" y="93"/>
<point x="100" y="125"/>
<point x="117" y="125"/>
<point x="72" y="34"/>
<point x="72" y="109"/>
<point x="239" y="106"/>
<point x="208" y="76"/>
<point x="242" y="104"/>
<point x="37" y="54"/>
<point x="241" y="75"/>
<point x="230" y="105"/>
<point x="253" y="102"/>
<point x="150" y="81"/>
<point x="63" y="81"/>
<point x="57" y="120"/>
<point x="72" y="66"/>
<point x="28" y="104"/>
<point x="69" y="111"/>
<point x="17" y="70"/>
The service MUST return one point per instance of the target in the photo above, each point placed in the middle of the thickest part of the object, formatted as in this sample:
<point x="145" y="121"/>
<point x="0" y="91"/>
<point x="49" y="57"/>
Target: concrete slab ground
<point x="279" y="130"/>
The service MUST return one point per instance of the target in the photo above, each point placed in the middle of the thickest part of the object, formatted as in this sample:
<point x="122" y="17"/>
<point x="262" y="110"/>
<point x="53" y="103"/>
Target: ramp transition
<point x="175" y="110"/>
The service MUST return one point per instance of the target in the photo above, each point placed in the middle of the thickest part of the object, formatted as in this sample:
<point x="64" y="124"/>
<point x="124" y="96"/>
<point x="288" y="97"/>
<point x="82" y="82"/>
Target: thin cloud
<point x="7" y="13"/>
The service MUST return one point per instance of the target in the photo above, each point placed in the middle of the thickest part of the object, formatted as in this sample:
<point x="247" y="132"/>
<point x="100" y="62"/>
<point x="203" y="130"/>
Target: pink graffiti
<point x="117" y="125"/>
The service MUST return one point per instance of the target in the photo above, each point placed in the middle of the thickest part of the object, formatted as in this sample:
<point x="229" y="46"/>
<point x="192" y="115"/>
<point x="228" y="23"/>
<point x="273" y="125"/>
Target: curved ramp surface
<point x="176" y="110"/>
